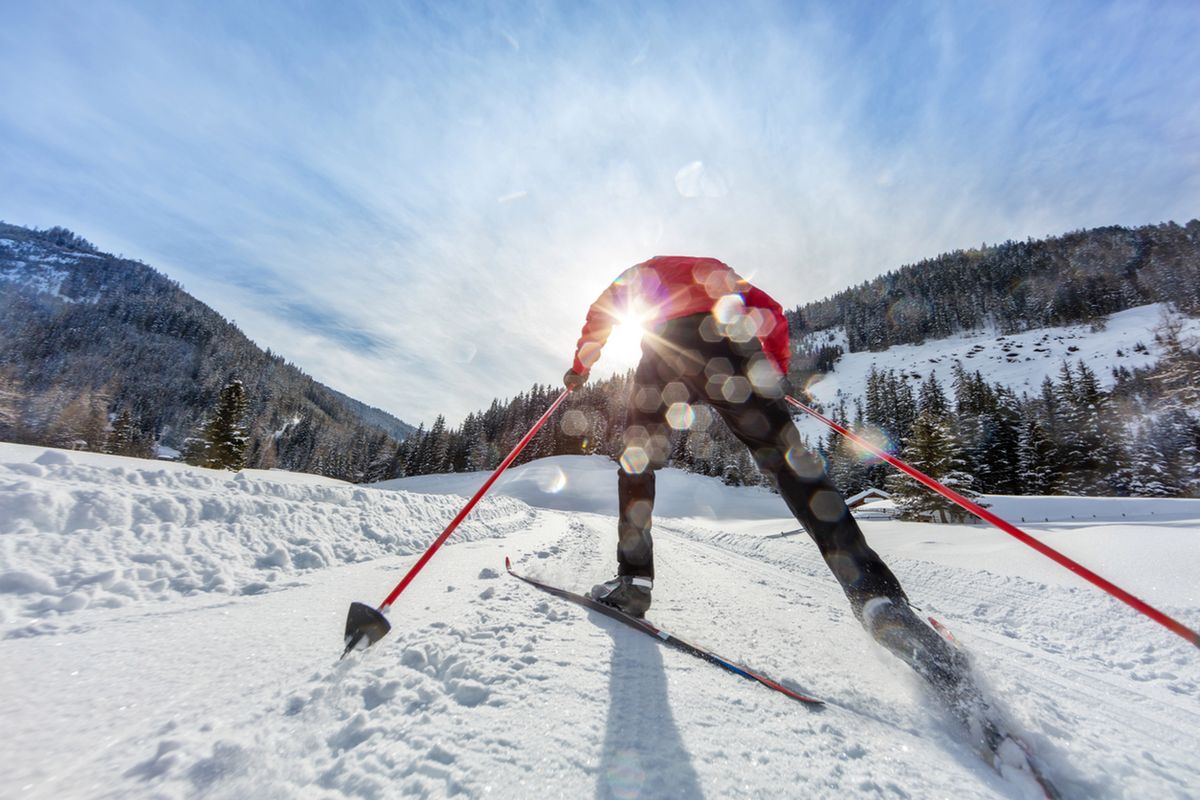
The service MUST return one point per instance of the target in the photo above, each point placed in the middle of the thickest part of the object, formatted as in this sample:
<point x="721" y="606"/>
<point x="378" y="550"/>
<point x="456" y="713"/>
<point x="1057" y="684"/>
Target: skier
<point x="711" y="337"/>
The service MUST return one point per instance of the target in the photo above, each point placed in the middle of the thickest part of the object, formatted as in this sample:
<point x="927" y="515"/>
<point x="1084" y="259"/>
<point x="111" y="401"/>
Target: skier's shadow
<point x="643" y="755"/>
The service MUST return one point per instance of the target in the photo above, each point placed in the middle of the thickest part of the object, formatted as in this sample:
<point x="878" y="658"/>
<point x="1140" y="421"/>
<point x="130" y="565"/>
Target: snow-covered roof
<point x="865" y="495"/>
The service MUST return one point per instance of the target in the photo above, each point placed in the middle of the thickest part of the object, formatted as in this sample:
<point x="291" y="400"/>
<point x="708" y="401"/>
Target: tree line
<point x="590" y="422"/>
<point x="1141" y="438"/>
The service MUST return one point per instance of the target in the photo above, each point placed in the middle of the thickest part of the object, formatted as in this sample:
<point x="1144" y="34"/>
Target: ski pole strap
<point x="1170" y="623"/>
<point x="437" y="543"/>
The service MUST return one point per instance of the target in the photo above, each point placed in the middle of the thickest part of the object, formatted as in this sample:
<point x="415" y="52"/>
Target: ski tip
<point x="943" y="630"/>
<point x="508" y="563"/>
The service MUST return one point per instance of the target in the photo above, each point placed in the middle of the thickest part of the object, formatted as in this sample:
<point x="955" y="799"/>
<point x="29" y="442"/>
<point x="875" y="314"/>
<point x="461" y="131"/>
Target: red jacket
<point x="669" y="287"/>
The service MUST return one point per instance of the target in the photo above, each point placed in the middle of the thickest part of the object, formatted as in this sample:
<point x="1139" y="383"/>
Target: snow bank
<point x="90" y="531"/>
<point x="589" y="484"/>
<point x="1086" y="510"/>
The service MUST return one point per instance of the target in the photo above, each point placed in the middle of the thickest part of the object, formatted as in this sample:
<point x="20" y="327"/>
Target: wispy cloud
<point x="417" y="204"/>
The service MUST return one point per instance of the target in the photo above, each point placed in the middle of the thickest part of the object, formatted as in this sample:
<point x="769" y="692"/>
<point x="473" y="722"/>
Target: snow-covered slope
<point x="25" y="265"/>
<point x="199" y="656"/>
<point x="1020" y="361"/>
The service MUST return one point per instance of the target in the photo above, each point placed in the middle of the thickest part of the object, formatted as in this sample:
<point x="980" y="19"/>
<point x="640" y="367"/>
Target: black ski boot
<point x="894" y="625"/>
<point x="627" y="593"/>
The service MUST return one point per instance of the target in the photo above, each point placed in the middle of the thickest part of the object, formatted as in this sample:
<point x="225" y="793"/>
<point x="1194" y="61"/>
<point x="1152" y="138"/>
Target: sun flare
<point x="624" y="347"/>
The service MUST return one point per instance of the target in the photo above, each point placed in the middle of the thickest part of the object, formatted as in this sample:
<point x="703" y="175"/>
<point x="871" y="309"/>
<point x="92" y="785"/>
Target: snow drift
<point x="80" y="530"/>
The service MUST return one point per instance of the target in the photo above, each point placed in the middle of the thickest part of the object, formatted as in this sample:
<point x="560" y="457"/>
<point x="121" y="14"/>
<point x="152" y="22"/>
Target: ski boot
<point x="894" y="625"/>
<point x="627" y="593"/>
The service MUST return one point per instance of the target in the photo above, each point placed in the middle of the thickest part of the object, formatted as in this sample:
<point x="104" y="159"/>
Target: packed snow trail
<point x="663" y="637"/>
<point x="485" y="687"/>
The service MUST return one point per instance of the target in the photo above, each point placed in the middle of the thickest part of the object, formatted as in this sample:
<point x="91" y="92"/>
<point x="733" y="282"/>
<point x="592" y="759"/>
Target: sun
<point x="624" y="347"/>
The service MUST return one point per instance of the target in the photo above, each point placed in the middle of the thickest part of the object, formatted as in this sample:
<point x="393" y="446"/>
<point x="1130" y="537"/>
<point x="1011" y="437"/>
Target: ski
<point x="1003" y="751"/>
<point x="666" y="638"/>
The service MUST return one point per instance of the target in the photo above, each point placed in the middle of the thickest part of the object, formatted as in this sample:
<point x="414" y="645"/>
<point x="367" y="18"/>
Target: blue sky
<point x="416" y="203"/>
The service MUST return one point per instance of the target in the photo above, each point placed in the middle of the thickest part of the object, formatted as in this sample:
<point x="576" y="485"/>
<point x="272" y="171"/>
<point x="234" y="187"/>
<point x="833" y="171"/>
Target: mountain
<point x="87" y="338"/>
<point x="1016" y="286"/>
<point x="395" y="427"/>
<point x="1068" y="365"/>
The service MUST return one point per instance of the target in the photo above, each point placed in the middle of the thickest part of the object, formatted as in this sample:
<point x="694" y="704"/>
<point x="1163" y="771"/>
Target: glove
<point x="573" y="380"/>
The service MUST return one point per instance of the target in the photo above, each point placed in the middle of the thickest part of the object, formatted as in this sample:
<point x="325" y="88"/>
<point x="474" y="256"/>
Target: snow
<point x="39" y="275"/>
<point x="872" y="492"/>
<point x="41" y="279"/>
<point x="169" y="631"/>
<point x="166" y="453"/>
<point x="589" y="484"/>
<point x="82" y="530"/>
<point x="1020" y="361"/>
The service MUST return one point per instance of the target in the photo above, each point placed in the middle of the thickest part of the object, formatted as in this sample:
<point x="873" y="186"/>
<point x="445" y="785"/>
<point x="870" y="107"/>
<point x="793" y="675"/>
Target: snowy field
<point x="169" y="632"/>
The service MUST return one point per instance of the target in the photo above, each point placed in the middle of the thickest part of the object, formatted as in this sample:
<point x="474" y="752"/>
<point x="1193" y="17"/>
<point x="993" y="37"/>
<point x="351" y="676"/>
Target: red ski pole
<point x="1142" y="606"/>
<point x="365" y="621"/>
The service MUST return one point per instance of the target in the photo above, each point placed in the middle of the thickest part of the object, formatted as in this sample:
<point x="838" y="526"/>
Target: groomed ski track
<point x="487" y="687"/>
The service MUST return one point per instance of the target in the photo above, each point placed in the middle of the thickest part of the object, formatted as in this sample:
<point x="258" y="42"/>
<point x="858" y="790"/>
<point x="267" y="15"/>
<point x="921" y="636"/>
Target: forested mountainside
<point x="1014" y="287"/>
<point x="1134" y="430"/>
<point x="396" y="428"/>
<point x="88" y="339"/>
<point x="108" y="354"/>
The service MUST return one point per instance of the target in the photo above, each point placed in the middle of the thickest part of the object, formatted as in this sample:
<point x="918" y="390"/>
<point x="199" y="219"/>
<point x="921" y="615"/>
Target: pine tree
<point x="890" y="407"/>
<point x="933" y="450"/>
<point x="296" y="446"/>
<point x="875" y="413"/>
<point x="1036" y="470"/>
<point x="962" y="386"/>
<point x="932" y="399"/>
<point x="1073" y="453"/>
<point x="121" y="437"/>
<point x="377" y="459"/>
<point x="1177" y="373"/>
<point x="195" y="448"/>
<point x="1149" y="474"/>
<point x="905" y="414"/>
<point x="738" y="469"/>
<point x="974" y="427"/>
<point x="1003" y="460"/>
<point x="438" y="449"/>
<point x="417" y="461"/>
<point x="1176" y="435"/>
<point x="841" y="455"/>
<point x="1049" y="403"/>
<point x="224" y="437"/>
<point x="401" y="457"/>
